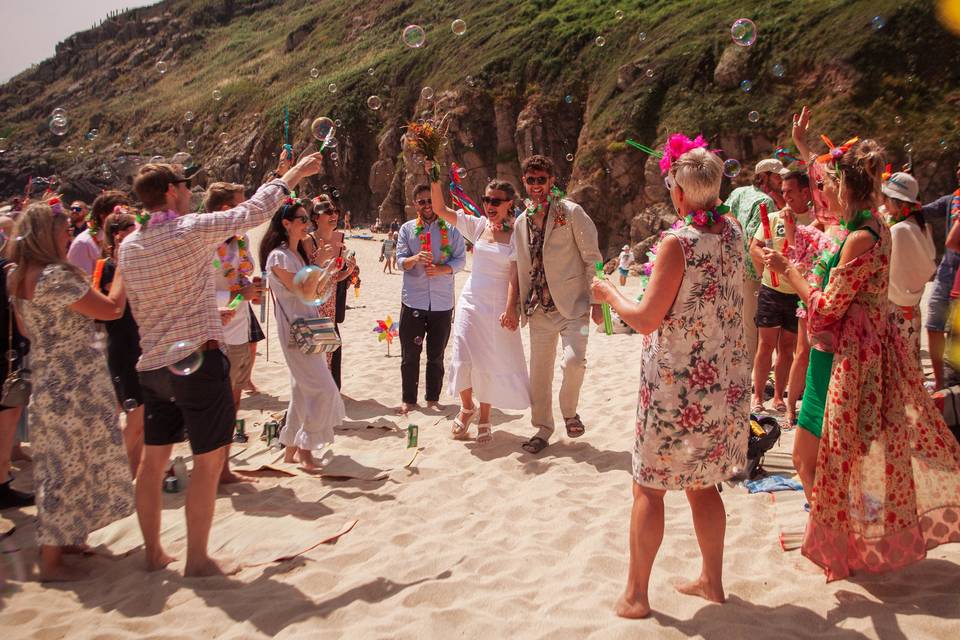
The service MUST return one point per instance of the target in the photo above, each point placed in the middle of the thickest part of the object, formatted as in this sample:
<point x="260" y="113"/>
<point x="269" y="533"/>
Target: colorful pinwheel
<point x="386" y="330"/>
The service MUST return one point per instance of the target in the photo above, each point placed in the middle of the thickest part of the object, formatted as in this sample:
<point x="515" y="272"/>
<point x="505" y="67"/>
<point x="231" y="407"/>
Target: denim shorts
<point x="938" y="307"/>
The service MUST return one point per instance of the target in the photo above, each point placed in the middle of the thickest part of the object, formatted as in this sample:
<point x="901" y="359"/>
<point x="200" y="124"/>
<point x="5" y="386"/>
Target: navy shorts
<point x="777" y="309"/>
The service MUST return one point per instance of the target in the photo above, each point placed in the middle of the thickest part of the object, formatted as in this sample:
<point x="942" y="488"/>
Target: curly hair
<point x="859" y="170"/>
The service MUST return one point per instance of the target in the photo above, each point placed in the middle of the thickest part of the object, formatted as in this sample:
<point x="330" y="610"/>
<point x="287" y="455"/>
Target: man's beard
<point x="428" y="216"/>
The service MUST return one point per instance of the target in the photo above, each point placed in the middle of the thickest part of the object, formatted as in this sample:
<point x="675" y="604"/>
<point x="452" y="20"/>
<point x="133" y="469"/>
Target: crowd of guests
<point x="814" y="271"/>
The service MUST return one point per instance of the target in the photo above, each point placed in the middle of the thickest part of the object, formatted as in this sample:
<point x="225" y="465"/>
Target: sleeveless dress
<point x="693" y="407"/>
<point x="315" y="403"/>
<point x="486" y="357"/>
<point x="887" y="484"/>
<point x="81" y="472"/>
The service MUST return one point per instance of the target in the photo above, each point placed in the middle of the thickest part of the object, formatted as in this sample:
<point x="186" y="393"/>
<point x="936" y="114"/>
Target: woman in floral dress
<point x="81" y="474"/>
<point x="887" y="484"/>
<point x="694" y="388"/>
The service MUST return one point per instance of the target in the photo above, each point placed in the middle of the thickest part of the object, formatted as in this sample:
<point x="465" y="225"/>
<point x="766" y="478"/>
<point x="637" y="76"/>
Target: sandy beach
<point x="456" y="539"/>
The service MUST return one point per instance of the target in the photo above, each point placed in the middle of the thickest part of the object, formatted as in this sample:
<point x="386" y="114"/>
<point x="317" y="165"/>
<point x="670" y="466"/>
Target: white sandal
<point x="459" y="430"/>
<point x="484" y="433"/>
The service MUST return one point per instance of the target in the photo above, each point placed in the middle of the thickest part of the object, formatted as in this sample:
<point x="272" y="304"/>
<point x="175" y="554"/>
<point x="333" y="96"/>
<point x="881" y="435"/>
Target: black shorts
<point x="776" y="309"/>
<point x="199" y="405"/>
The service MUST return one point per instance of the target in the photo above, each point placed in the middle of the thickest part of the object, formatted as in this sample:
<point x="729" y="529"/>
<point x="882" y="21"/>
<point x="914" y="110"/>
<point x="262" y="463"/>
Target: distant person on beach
<point x="487" y="366"/>
<point x="388" y="252"/>
<point x="430" y="252"/>
<point x="624" y="260"/>
<point x="78" y="217"/>
<point x="554" y="246"/>
<point x="694" y="382"/>
<point x="166" y="266"/>
<point x="86" y="247"/>
<point x="395" y="226"/>
<point x="80" y="469"/>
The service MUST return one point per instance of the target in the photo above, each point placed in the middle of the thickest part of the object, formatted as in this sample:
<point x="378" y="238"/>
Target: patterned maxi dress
<point x="693" y="407"/>
<point x="81" y="472"/>
<point x="887" y="484"/>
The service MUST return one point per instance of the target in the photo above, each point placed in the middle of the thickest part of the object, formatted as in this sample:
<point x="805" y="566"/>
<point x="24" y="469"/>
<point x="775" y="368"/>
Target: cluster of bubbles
<point x="731" y="167"/>
<point x="59" y="122"/>
<point x="744" y="32"/>
<point x="187" y="357"/>
<point x="414" y="36"/>
<point x="459" y="27"/>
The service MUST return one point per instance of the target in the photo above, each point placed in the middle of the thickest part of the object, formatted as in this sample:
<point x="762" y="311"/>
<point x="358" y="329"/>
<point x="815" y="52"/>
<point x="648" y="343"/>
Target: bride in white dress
<point x="488" y="365"/>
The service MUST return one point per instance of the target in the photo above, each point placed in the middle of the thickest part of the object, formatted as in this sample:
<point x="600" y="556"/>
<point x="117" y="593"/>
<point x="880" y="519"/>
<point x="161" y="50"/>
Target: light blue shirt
<point x="420" y="291"/>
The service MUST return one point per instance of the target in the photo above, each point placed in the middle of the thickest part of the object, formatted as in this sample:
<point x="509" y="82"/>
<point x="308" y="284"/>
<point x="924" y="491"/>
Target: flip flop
<point x="536" y="444"/>
<point x="575" y="428"/>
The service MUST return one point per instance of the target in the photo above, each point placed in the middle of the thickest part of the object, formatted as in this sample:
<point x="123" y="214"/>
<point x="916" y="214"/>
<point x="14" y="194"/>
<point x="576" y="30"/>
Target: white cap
<point x="770" y="165"/>
<point x="901" y="186"/>
<point x="626" y="247"/>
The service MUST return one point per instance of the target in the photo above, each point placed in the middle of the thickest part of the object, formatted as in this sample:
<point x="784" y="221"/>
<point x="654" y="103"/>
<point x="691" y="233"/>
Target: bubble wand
<point x="768" y="240"/>
<point x="604" y="307"/>
<point x="287" y="147"/>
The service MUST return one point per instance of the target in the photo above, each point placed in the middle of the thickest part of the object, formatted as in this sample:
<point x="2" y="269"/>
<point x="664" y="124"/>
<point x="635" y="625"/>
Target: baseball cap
<point x="626" y="247"/>
<point x="771" y="165"/>
<point x="901" y="186"/>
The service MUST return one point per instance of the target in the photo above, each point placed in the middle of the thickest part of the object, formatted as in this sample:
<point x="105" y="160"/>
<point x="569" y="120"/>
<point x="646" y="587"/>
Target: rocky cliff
<point x="566" y="78"/>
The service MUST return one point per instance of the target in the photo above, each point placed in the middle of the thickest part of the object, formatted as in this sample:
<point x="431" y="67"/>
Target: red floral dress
<point x="693" y="403"/>
<point x="887" y="483"/>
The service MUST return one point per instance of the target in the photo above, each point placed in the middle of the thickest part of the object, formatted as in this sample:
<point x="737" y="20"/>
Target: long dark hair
<point x="276" y="235"/>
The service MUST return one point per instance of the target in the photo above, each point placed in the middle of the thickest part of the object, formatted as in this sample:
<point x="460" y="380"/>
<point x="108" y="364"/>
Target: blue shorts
<point x="938" y="307"/>
<point x="624" y="272"/>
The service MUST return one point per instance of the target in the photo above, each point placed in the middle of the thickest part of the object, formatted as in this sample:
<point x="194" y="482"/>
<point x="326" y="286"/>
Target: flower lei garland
<point x="445" y="251"/>
<point x="707" y="217"/>
<point x="893" y="217"/>
<point x="857" y="220"/>
<point x="553" y="200"/>
<point x="157" y="217"/>
<point x="240" y="275"/>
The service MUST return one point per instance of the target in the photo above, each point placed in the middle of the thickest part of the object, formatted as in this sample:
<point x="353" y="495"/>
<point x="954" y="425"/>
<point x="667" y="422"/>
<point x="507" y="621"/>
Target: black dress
<point x="20" y="344"/>
<point x="123" y="348"/>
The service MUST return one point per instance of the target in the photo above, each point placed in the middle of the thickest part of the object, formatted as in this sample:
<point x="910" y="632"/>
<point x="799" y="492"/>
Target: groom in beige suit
<point x="555" y="249"/>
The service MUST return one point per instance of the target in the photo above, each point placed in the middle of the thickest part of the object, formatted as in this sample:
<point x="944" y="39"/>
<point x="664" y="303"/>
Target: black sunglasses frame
<point x="536" y="180"/>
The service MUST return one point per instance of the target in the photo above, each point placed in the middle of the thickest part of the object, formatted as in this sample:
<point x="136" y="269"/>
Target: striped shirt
<point x="169" y="276"/>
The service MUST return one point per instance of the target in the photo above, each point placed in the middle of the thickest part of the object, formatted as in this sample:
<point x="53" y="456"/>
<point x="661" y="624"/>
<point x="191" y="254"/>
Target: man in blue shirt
<point x="429" y="251"/>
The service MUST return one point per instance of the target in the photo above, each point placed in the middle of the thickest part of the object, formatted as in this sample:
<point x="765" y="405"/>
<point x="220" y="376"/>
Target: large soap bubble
<point x="414" y="36"/>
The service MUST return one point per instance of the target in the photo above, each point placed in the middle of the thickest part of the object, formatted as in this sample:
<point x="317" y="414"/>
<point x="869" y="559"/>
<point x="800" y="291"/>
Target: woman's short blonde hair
<point x="699" y="173"/>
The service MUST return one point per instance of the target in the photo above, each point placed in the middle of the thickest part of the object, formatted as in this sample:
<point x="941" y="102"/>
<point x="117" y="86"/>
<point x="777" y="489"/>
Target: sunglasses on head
<point x="421" y="203"/>
<point x="536" y="179"/>
<point x="496" y="202"/>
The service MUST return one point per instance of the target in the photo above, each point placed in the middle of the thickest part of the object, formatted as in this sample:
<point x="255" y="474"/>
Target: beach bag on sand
<point x="764" y="433"/>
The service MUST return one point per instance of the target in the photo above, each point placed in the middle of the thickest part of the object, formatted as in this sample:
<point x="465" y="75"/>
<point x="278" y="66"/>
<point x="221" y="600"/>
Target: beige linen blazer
<point x="569" y="255"/>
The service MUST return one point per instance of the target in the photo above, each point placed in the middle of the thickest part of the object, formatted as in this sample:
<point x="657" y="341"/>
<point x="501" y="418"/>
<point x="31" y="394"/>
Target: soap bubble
<point x="374" y="103"/>
<point x="459" y="27"/>
<point x="418" y="340"/>
<point x="59" y="111"/>
<point x="337" y="123"/>
<point x="908" y="148"/>
<point x="191" y="144"/>
<point x="105" y="173"/>
<point x="897" y="120"/>
<point x="314" y="73"/>
<point x="188" y="116"/>
<point x="731" y="168"/>
<point x="779" y="70"/>
<point x="161" y="67"/>
<point x="224" y="138"/>
<point x="130" y="405"/>
<point x="744" y="32"/>
<point x="335" y="193"/>
<point x="746" y="85"/>
<point x="649" y="73"/>
<point x="642" y="35"/>
<point x="470" y="81"/>
<point x="128" y="141"/>
<point x="182" y="158"/>
<point x="217" y="95"/>
<point x="311" y="285"/>
<point x="321" y="127"/>
<point x="878" y="22"/>
<point x="332" y="87"/>
<point x="753" y="116"/>
<point x="331" y="143"/>
<point x="600" y="41"/>
<point x="944" y="144"/>
<point x="427" y="93"/>
<point x="334" y="156"/>
<point x="59" y="125"/>
<point x="618" y="14"/>
<point x="187" y="358"/>
<point x="569" y="157"/>
<point x="568" y="99"/>
<point x="414" y="36"/>
<point x="92" y="134"/>
<point x="224" y="116"/>
<point x="370" y="71"/>
<point x="461" y="172"/>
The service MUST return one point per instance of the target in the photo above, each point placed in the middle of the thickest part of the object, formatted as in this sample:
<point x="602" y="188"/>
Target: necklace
<point x="239" y="276"/>
<point x="424" y="237"/>
<point x="856" y="220"/>
<point x="707" y="217"/>
<point x="157" y="217"/>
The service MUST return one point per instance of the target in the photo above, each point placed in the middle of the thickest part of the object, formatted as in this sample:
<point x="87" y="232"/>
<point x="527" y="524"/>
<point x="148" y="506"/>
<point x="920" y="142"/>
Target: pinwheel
<point x="386" y="330"/>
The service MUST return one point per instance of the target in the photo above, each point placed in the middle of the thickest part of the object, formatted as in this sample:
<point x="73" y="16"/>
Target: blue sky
<point x="31" y="29"/>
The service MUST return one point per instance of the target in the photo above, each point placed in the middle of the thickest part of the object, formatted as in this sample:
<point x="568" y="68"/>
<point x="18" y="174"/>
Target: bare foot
<point x="231" y="478"/>
<point x="158" y="560"/>
<point x="307" y="460"/>
<point x="635" y="608"/>
<point x="208" y="567"/>
<point x="407" y="407"/>
<point x="62" y="573"/>
<point x="434" y="404"/>
<point x="703" y="589"/>
<point x="290" y="454"/>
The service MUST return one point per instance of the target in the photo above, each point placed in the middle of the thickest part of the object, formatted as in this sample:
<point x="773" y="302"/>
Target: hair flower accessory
<point x="836" y="152"/>
<point x="887" y="172"/>
<point x="56" y="205"/>
<point x="677" y="145"/>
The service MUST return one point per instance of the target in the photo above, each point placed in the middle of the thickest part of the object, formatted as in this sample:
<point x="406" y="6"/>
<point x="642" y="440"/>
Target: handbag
<point x="17" y="386"/>
<point x="312" y="335"/>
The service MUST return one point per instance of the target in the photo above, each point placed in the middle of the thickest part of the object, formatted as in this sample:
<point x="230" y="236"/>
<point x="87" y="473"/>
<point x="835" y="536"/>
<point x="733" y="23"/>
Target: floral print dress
<point x="693" y="407"/>
<point x="887" y="484"/>
<point x="81" y="473"/>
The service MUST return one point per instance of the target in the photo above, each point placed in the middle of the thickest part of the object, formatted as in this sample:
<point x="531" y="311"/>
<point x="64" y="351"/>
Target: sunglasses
<point x="669" y="182"/>
<point x="186" y="181"/>
<point x="536" y="179"/>
<point x="421" y="203"/>
<point x="496" y="202"/>
<point x="302" y="218"/>
<point x="76" y="209"/>
<point x="325" y="209"/>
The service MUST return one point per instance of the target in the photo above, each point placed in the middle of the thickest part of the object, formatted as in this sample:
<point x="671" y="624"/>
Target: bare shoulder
<point x="858" y="243"/>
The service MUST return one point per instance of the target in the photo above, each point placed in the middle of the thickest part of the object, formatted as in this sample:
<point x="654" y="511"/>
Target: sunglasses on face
<point x="421" y="203"/>
<point x="536" y="179"/>
<point x="302" y="218"/>
<point x="325" y="209"/>
<point x="76" y="209"/>
<point x="495" y="202"/>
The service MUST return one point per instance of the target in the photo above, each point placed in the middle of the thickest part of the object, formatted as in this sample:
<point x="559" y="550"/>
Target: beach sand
<point x="459" y="540"/>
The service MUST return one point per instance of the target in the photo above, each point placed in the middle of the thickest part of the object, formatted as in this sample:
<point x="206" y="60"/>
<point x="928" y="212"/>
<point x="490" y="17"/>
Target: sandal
<point x="575" y="428"/>
<point x="459" y="430"/>
<point x="757" y="408"/>
<point x="536" y="444"/>
<point x="780" y="406"/>
<point x="484" y="433"/>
